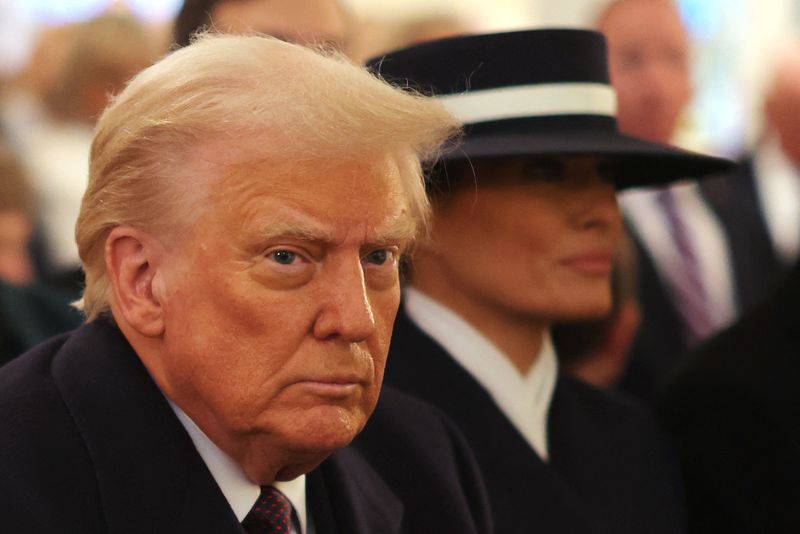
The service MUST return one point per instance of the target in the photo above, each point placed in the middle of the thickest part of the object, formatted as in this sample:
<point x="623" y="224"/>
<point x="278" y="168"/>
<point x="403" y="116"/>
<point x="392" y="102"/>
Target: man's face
<point x="279" y="305"/>
<point x="649" y="65"/>
<point x="783" y="109"/>
<point x="534" y="240"/>
<point x="16" y="265"/>
<point x="296" y="21"/>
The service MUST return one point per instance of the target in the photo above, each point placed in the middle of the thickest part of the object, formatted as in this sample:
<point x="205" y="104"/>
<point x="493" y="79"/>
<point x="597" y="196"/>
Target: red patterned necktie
<point x="272" y="513"/>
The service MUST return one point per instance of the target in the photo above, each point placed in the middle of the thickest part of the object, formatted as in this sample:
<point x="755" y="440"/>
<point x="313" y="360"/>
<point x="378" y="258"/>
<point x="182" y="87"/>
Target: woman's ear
<point x="133" y="259"/>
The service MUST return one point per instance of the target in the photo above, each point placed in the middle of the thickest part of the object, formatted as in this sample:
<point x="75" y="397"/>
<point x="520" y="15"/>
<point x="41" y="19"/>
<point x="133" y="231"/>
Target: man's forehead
<point x="392" y="225"/>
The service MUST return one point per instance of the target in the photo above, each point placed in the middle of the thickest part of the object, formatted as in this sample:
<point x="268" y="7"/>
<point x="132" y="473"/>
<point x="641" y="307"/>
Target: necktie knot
<point x="271" y="514"/>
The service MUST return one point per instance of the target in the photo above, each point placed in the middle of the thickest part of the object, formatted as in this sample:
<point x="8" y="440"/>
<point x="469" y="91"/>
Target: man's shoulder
<point x="43" y="458"/>
<point x="26" y="383"/>
<point x="752" y="357"/>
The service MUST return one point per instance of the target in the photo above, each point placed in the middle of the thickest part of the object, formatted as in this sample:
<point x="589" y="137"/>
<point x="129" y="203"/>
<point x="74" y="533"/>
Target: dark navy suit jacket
<point x="733" y="411"/>
<point x="89" y="444"/>
<point x="610" y="469"/>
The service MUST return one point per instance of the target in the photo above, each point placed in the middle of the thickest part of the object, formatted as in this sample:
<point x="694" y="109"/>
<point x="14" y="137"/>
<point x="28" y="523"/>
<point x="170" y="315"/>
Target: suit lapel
<point x="150" y="476"/>
<point x="523" y="489"/>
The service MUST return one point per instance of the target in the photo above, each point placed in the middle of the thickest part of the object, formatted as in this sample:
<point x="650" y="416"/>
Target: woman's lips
<point x="593" y="264"/>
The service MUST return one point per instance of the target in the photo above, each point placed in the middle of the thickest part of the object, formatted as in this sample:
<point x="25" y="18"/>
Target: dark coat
<point x="757" y="270"/>
<point x="610" y="469"/>
<point x="89" y="444"/>
<point x="31" y="314"/>
<point x="757" y="267"/>
<point x="733" y="411"/>
<point x="660" y="341"/>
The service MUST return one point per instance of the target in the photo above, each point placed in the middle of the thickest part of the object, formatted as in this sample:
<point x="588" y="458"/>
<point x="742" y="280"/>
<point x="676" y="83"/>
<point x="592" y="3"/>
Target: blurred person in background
<point x="23" y="110"/>
<point x="525" y="223"/>
<point x="379" y="36"/>
<point x="319" y="22"/>
<point x="759" y="204"/>
<point x="688" y="284"/>
<point x="732" y="408"/>
<point x="29" y="312"/>
<point x="102" y="55"/>
<point x="17" y="219"/>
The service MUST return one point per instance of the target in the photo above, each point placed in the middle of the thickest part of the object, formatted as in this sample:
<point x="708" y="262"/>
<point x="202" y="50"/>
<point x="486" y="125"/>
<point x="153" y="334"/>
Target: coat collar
<point x="522" y="488"/>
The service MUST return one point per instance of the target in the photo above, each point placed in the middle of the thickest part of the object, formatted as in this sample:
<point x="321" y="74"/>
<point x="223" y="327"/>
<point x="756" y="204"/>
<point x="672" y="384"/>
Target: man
<point x="102" y="55"/>
<point x="759" y="204"/>
<point x="297" y="21"/>
<point x="29" y="312"/>
<point x="732" y="411"/>
<point x="732" y="408"/>
<point x="248" y="203"/>
<point x="688" y="284"/>
<point x="525" y="222"/>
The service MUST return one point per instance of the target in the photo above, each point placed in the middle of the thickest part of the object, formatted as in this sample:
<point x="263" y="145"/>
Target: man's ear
<point x="132" y="262"/>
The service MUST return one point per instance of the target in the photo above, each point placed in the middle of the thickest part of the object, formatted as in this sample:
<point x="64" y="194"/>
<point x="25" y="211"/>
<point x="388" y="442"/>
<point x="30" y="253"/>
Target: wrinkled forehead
<point x="232" y="172"/>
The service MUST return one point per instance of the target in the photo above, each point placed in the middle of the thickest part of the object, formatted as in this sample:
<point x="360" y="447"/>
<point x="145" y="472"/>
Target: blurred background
<point x="734" y="42"/>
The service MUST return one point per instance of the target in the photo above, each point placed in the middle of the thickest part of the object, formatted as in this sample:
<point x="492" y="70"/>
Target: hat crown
<point x="482" y="62"/>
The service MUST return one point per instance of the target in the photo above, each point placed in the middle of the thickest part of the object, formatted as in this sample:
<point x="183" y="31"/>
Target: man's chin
<point x="305" y="444"/>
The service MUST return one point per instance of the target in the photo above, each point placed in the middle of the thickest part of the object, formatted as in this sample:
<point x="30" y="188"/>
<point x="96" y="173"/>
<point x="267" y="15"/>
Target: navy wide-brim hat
<point x="536" y="93"/>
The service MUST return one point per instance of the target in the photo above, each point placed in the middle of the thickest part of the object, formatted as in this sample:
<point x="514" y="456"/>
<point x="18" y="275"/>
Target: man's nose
<point x="345" y="308"/>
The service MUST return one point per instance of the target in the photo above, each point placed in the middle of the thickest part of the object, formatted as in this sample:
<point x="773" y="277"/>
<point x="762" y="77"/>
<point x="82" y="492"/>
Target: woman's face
<point x="534" y="238"/>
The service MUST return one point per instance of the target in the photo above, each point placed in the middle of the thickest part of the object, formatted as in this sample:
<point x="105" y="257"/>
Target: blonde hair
<point x="315" y="107"/>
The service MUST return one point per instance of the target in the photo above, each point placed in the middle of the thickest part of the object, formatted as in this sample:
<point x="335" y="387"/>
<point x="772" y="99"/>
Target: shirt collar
<point x="524" y="398"/>
<point x="238" y="490"/>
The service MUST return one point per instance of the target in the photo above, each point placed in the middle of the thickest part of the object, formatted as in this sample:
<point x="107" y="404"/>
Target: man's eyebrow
<point x="401" y="231"/>
<point x="296" y="231"/>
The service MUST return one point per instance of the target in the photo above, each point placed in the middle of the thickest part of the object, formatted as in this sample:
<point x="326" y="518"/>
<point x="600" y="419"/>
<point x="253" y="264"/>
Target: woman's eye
<point x="544" y="170"/>
<point x="284" y="257"/>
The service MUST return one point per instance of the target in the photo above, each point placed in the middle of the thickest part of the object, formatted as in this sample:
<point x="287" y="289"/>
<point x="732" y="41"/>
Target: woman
<point x="524" y="227"/>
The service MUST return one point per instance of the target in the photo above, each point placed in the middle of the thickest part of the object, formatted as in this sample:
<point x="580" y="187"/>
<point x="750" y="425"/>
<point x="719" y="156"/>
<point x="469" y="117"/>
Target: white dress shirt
<point x="524" y="398"/>
<point x="238" y="490"/>
<point x="777" y="181"/>
<point x="709" y="243"/>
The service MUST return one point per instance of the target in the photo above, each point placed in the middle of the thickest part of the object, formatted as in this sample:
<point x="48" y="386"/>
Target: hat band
<point x="532" y="101"/>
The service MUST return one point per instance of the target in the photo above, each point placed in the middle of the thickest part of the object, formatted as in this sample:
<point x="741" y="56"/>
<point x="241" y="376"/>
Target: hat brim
<point x="637" y="162"/>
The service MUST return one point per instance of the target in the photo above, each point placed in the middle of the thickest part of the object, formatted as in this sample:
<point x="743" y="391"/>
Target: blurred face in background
<point x="783" y="106"/>
<point x="297" y="21"/>
<point x="16" y="265"/>
<point x="534" y="239"/>
<point x="649" y="65"/>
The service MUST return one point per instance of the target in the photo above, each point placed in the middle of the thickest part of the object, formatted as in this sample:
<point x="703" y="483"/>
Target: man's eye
<point x="379" y="257"/>
<point x="284" y="257"/>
